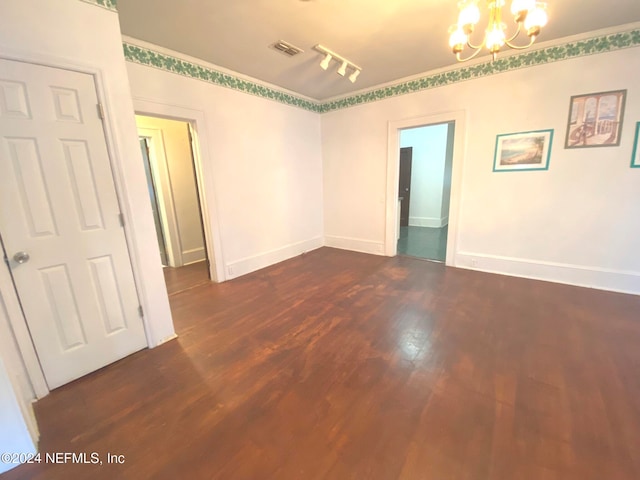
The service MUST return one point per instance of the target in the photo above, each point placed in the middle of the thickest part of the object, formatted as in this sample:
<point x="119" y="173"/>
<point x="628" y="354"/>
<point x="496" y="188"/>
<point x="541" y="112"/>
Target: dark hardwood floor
<point x="183" y="278"/>
<point x="339" y="365"/>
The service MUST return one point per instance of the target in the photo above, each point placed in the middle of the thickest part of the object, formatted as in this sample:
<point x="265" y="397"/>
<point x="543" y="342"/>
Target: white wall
<point x="429" y="152"/>
<point x="19" y="423"/>
<point x="577" y="222"/>
<point x="14" y="435"/>
<point x="78" y="35"/>
<point x="263" y="161"/>
<point x="179" y="192"/>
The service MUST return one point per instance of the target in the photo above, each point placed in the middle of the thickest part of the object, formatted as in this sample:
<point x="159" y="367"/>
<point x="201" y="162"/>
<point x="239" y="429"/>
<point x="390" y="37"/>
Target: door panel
<point x="59" y="205"/>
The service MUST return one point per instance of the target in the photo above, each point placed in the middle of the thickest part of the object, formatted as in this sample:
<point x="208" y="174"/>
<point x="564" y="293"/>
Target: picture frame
<point x="595" y="119"/>
<point x="635" y="156"/>
<point x="523" y="151"/>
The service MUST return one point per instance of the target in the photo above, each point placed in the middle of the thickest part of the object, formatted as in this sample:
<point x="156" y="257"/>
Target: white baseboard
<point x="431" y="222"/>
<point x="354" y="244"/>
<point x="251" y="264"/>
<point x="194" y="255"/>
<point x="583" y="276"/>
<point x="165" y="340"/>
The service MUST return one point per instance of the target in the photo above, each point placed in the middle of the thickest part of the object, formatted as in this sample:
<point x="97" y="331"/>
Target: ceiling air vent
<point x="286" y="48"/>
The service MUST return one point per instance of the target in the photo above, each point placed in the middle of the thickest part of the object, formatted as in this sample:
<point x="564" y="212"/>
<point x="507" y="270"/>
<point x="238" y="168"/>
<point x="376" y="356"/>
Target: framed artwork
<point x="635" y="156"/>
<point x="523" y="151"/>
<point x="595" y="119"/>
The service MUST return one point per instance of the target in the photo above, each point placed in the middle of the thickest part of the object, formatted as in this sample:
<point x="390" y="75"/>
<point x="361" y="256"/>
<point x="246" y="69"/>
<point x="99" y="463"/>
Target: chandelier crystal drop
<point x="530" y="16"/>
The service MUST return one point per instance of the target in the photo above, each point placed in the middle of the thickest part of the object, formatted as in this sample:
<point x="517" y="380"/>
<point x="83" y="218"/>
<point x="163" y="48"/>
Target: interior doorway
<point x="424" y="190"/>
<point x="455" y="146"/>
<point x="169" y="159"/>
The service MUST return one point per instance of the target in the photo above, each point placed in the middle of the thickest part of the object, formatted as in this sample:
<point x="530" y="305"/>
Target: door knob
<point x="21" y="257"/>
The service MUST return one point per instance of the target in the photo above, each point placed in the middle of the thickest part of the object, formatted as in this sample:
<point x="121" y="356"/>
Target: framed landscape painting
<point x="595" y="119"/>
<point x="635" y="156"/>
<point x="523" y="151"/>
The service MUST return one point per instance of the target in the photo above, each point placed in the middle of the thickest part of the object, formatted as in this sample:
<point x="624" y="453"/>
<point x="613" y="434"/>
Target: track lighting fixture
<point x="324" y="64"/>
<point x="345" y="64"/>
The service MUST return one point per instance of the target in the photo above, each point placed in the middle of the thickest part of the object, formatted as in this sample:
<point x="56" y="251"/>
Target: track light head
<point x="345" y="65"/>
<point x="324" y="64"/>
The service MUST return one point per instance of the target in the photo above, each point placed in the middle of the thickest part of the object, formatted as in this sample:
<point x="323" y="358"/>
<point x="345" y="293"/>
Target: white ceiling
<point x="389" y="39"/>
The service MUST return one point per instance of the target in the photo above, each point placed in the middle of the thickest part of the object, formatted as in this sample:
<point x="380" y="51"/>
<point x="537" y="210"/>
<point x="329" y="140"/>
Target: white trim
<point x="193" y="255"/>
<point x="583" y="276"/>
<point x="15" y="434"/>
<point x="132" y="231"/>
<point x="393" y="172"/>
<point x="431" y="222"/>
<point x="167" y="339"/>
<point x="256" y="262"/>
<point x="204" y="174"/>
<point x="355" y="244"/>
<point x="160" y="173"/>
<point x="21" y="334"/>
<point x="17" y="369"/>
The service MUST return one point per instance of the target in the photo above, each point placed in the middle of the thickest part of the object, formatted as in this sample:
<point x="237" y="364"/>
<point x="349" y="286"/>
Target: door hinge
<point x="140" y="311"/>
<point x="121" y="218"/>
<point x="100" y="111"/>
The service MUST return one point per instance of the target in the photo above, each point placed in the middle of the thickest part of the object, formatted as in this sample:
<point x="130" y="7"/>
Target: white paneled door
<point x="60" y="222"/>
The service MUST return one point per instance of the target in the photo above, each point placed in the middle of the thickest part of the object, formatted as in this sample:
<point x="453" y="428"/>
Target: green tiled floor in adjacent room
<point x="423" y="242"/>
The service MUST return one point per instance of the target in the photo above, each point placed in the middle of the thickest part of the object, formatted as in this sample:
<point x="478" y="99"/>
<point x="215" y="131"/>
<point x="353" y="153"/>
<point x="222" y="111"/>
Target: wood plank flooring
<point x="183" y="278"/>
<point x="339" y="365"/>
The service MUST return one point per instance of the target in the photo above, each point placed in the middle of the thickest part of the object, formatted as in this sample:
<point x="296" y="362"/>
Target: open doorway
<point x="424" y="190"/>
<point x="455" y="139"/>
<point x="168" y="156"/>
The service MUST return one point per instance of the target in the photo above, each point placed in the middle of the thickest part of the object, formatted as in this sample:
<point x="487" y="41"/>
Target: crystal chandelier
<point x="529" y="15"/>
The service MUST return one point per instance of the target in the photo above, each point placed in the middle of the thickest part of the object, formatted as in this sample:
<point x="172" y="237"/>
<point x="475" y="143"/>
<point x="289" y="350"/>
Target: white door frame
<point x="8" y="293"/>
<point x="393" y="173"/>
<point x="164" y="197"/>
<point x="204" y="175"/>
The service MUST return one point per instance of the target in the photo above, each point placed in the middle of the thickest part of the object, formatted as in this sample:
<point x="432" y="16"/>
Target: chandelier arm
<point x="475" y="47"/>
<point x="521" y="47"/>
<point x="513" y="37"/>
<point x="473" y="55"/>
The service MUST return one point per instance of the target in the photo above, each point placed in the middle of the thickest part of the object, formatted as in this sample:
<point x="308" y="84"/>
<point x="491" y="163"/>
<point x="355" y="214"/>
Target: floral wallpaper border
<point x="601" y="44"/>
<point x="108" y="4"/>
<point x="591" y="46"/>
<point x="147" y="57"/>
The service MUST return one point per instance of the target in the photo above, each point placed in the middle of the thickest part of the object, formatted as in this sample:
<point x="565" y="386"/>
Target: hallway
<point x="423" y="242"/>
